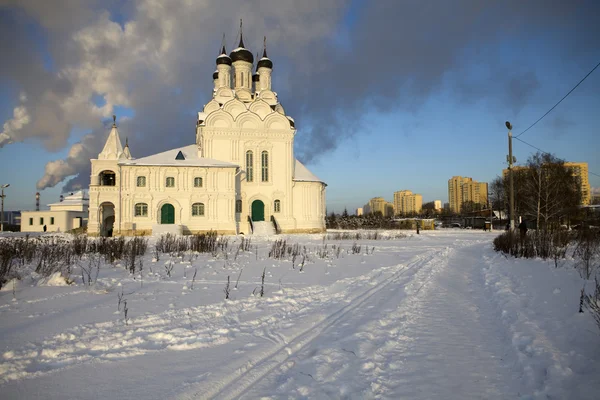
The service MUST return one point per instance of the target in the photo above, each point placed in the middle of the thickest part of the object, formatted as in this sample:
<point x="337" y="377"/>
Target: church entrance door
<point x="167" y="214"/>
<point x="258" y="210"/>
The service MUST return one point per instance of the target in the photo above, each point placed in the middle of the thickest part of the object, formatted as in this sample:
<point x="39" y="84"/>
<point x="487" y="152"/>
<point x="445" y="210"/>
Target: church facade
<point x="239" y="174"/>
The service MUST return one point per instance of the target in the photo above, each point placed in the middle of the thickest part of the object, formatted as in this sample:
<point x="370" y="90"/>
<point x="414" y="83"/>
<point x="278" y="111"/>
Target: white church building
<point x="240" y="175"/>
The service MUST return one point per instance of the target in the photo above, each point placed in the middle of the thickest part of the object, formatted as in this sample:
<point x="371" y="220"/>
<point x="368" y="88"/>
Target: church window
<point x="30" y="221"/>
<point x="277" y="206"/>
<point x="197" y="182"/>
<point x="238" y="206"/>
<point x="265" y="166"/>
<point x="197" y="209"/>
<point x="51" y="220"/>
<point x="141" y="210"/>
<point x="141" y="181"/>
<point x="249" y="166"/>
<point x="170" y="182"/>
<point x="42" y="221"/>
<point x="107" y="178"/>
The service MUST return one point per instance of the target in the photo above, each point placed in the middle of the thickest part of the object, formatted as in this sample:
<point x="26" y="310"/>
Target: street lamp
<point x="510" y="160"/>
<point x="2" y="196"/>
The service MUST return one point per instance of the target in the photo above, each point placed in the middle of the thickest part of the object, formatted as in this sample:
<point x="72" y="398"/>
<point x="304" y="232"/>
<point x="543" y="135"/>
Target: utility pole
<point x="510" y="160"/>
<point x="2" y="196"/>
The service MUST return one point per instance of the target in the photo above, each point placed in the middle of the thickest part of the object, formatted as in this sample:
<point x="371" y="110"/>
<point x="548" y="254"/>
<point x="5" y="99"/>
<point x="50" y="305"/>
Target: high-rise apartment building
<point x="379" y="204"/>
<point x="462" y="189"/>
<point x="580" y="170"/>
<point x="405" y="202"/>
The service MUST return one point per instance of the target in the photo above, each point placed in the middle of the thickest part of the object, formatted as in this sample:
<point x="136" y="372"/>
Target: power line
<point x="560" y="101"/>
<point x="545" y="152"/>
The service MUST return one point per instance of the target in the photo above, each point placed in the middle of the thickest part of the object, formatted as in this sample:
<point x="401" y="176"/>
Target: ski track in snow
<point x="177" y="329"/>
<point x="282" y="357"/>
<point x="437" y="316"/>
<point x="399" y="344"/>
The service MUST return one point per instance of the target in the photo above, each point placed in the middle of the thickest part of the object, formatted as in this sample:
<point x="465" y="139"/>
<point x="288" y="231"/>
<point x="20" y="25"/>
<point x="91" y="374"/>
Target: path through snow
<point x="438" y="315"/>
<point x="434" y="337"/>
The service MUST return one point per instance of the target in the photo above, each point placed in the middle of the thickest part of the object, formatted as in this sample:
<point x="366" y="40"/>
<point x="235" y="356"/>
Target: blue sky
<point x="418" y="125"/>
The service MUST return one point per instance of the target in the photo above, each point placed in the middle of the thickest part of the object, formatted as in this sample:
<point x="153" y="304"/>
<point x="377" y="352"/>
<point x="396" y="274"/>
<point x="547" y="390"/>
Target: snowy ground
<point x="436" y="315"/>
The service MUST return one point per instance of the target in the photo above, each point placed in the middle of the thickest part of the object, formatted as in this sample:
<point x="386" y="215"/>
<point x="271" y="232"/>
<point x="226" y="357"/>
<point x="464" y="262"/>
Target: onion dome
<point x="264" y="62"/>
<point x="241" y="53"/>
<point x="216" y="75"/>
<point x="255" y="77"/>
<point x="223" y="58"/>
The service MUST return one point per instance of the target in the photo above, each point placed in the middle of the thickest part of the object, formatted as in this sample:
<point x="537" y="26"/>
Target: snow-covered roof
<point x="75" y="199"/>
<point x="302" y="174"/>
<point x="169" y="158"/>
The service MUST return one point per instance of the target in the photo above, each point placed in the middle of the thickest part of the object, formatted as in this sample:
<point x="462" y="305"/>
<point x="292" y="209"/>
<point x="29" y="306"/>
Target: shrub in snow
<point x="592" y="302"/>
<point x="587" y="252"/>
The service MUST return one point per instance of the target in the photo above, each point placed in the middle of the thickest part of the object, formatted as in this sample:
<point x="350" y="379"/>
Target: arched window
<point x="170" y="182"/>
<point x="197" y="182"/>
<point x="141" y="210"/>
<point x="265" y="166"/>
<point x="107" y="178"/>
<point x="141" y="181"/>
<point x="238" y="206"/>
<point x="249" y="166"/>
<point x="277" y="206"/>
<point x="197" y="209"/>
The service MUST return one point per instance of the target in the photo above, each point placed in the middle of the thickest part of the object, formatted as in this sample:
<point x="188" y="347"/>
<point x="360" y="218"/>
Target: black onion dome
<point x="242" y="53"/>
<point x="216" y="75"/>
<point x="264" y="62"/>
<point x="256" y="77"/>
<point x="223" y="58"/>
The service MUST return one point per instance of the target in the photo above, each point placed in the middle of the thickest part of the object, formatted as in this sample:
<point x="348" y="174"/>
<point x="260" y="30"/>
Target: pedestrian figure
<point x="417" y="222"/>
<point x="523" y="231"/>
<point x="45" y="228"/>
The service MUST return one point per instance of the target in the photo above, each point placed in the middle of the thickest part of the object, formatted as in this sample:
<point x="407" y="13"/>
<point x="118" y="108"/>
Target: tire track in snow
<point x="246" y="377"/>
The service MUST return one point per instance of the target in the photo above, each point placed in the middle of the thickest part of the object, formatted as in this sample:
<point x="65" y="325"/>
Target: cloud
<point x="334" y="61"/>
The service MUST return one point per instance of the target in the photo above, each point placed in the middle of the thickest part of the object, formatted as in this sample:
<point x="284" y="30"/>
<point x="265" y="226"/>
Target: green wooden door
<point x="167" y="214"/>
<point x="258" y="210"/>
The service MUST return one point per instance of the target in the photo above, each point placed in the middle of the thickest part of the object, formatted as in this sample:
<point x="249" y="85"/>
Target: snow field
<point x="438" y="315"/>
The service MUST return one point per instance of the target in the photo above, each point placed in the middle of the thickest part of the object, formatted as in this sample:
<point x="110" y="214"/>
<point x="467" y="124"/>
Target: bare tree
<point x="498" y="194"/>
<point x="546" y="190"/>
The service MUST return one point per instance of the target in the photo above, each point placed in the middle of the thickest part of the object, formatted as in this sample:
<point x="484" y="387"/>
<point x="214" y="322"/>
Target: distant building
<point x="580" y="171"/>
<point x="462" y="189"/>
<point x="359" y="211"/>
<point x="71" y="213"/>
<point x="379" y="204"/>
<point x="595" y="196"/>
<point x="437" y="205"/>
<point x="376" y="204"/>
<point x="12" y="219"/>
<point x="405" y="202"/>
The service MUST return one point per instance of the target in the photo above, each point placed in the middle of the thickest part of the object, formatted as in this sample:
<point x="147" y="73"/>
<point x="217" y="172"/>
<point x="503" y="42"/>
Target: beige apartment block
<point x="406" y="202"/>
<point x="581" y="172"/>
<point x="462" y="189"/>
<point x="455" y="192"/>
<point x="437" y="205"/>
<point x="475" y="192"/>
<point x="379" y="204"/>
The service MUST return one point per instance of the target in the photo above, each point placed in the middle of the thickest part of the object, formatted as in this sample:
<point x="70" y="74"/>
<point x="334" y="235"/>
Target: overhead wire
<point x="560" y="101"/>
<point x="545" y="152"/>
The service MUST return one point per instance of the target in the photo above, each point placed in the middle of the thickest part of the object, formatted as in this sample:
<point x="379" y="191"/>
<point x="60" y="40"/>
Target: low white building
<point x="70" y="213"/>
<point x="239" y="174"/>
